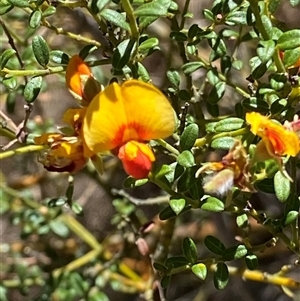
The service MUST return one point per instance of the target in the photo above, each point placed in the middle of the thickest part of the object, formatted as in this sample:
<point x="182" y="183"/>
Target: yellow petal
<point x="104" y="118"/>
<point x="149" y="108"/>
<point x="256" y="121"/>
<point x="133" y="111"/>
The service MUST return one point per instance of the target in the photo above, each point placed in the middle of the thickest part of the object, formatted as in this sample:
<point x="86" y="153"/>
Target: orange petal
<point x="133" y="111"/>
<point x="283" y="142"/>
<point x="75" y="69"/>
<point x="279" y="140"/>
<point x="137" y="159"/>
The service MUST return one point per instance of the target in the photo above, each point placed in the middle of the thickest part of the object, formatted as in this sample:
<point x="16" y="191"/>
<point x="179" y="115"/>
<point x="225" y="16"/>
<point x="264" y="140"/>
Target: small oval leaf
<point x="40" y="50"/>
<point x="33" y="88"/>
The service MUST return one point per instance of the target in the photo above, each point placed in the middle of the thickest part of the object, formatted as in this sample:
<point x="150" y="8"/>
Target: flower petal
<point x="137" y="159"/>
<point x="75" y="69"/>
<point x="148" y="107"/>
<point x="104" y="117"/>
<point x="133" y="111"/>
<point x="279" y="140"/>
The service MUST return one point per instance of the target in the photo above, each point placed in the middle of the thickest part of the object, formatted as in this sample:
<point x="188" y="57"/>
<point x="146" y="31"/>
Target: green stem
<point x="261" y="28"/>
<point x="49" y="70"/>
<point x="77" y="37"/>
<point x="21" y="150"/>
<point x="81" y="231"/>
<point x="208" y="138"/>
<point x="185" y="9"/>
<point x="168" y="147"/>
<point x="131" y="18"/>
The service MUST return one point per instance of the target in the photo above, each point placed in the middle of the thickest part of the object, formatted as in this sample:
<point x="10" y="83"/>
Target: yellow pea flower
<point x="279" y="141"/>
<point x="122" y="118"/>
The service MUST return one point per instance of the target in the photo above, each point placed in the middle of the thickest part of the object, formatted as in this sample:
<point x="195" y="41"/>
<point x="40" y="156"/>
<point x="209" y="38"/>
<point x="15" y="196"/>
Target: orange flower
<point x="80" y="81"/>
<point x="122" y="118"/>
<point x="65" y="153"/>
<point x="279" y="141"/>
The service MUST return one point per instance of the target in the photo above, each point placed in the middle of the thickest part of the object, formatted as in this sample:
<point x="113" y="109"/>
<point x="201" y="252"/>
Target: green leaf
<point x="212" y="76"/>
<point x="10" y="83"/>
<point x="167" y="213"/>
<point x="193" y="31"/>
<point x="217" y="92"/>
<point x="225" y="64"/>
<point x="20" y="3"/>
<point x="213" y="109"/>
<point x="255" y="104"/>
<point x="174" y="78"/>
<point x="189" y="249"/>
<point x="147" y="45"/>
<point x="165" y="281"/>
<point x="49" y="11"/>
<point x="123" y="53"/>
<point x="6" y="56"/>
<point x="33" y="88"/>
<point x="189" y="136"/>
<point x="291" y="56"/>
<point x="35" y="19"/>
<point x="224" y="143"/>
<point x="273" y="6"/>
<point x="289" y="39"/>
<point x="267" y="23"/>
<point x="242" y="221"/>
<point x="159" y="267"/>
<point x="200" y="270"/>
<point x="237" y="64"/>
<point x="177" y="205"/>
<point x="251" y="262"/>
<point x="294" y="3"/>
<point x="131" y="182"/>
<point x="236" y="252"/>
<point x="40" y="50"/>
<point x="57" y="202"/>
<point x="265" y="50"/>
<point x="229" y="124"/>
<point x="191" y="67"/>
<point x="157" y="8"/>
<point x="266" y="185"/>
<point x="277" y="81"/>
<point x="77" y="209"/>
<point x="115" y="18"/>
<point x="212" y="204"/>
<point x="236" y="17"/>
<point x="186" y="159"/>
<point x="214" y="245"/>
<point x="290" y="217"/>
<point x="5" y="8"/>
<point x="282" y="186"/>
<point x="209" y="15"/>
<point x="221" y="276"/>
<point x="59" y="228"/>
<point x="59" y="57"/>
<point x="143" y="73"/>
<point x="178" y="36"/>
<point x="176" y="262"/>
